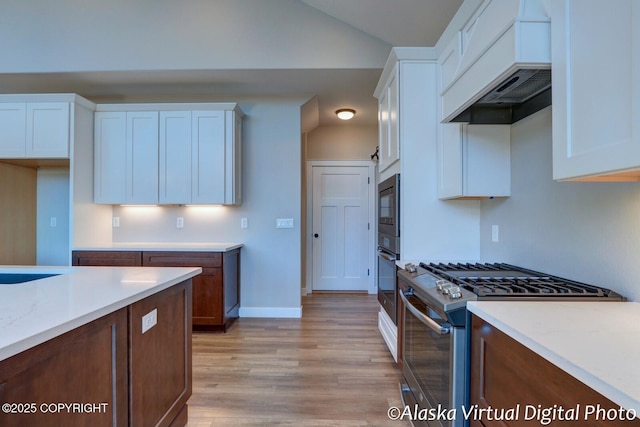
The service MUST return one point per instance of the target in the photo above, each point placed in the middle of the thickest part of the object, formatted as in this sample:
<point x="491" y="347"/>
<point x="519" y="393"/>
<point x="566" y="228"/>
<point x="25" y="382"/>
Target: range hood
<point x="504" y="69"/>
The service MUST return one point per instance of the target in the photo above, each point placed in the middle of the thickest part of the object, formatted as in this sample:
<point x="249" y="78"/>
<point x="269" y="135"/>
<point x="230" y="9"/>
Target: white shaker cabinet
<point x="389" y="138"/>
<point x="474" y="161"/>
<point x="126" y="157"/>
<point x="35" y="130"/>
<point x="596" y="94"/>
<point x="168" y="154"/>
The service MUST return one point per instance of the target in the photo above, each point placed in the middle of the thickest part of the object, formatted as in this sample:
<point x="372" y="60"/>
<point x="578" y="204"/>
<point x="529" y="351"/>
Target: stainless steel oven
<point x="388" y="243"/>
<point x="433" y="355"/>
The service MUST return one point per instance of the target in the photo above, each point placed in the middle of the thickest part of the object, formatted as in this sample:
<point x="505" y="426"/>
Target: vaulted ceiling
<point x="339" y="77"/>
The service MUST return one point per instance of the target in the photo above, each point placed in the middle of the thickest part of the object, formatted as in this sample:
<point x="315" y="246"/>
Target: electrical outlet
<point x="53" y="222"/>
<point x="115" y="222"/>
<point x="180" y="222"/>
<point x="149" y="320"/>
<point x="495" y="233"/>
<point x="244" y="223"/>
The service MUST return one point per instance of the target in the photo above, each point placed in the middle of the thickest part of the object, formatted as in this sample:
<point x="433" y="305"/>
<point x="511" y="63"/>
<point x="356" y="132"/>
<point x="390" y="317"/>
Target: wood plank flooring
<point x="330" y="368"/>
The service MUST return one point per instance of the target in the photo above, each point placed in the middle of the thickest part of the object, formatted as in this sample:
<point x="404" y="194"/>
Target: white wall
<point x="342" y="142"/>
<point x="271" y="187"/>
<point x="120" y="35"/>
<point x="588" y="232"/>
<point x="52" y="242"/>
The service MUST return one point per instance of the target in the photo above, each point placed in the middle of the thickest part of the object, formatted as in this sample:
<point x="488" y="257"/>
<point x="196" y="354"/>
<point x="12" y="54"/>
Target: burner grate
<point x="504" y="280"/>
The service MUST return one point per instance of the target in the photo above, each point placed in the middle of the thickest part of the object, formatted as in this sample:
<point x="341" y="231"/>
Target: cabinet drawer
<point x="181" y="259"/>
<point x="107" y="258"/>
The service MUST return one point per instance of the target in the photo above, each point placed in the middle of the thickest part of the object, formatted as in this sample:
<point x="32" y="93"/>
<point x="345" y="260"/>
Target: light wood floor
<point x="330" y="368"/>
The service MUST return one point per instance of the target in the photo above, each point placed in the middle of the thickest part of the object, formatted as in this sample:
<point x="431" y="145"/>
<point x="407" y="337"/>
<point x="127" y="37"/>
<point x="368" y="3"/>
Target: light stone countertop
<point x="162" y="246"/>
<point x="34" y="312"/>
<point x="596" y="342"/>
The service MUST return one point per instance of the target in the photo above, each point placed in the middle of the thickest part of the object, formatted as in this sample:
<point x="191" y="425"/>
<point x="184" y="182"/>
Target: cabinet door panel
<point x="107" y="258"/>
<point x="208" y="157"/>
<point x="207" y="299"/>
<point x="14" y="131"/>
<point x="595" y="97"/>
<point x="110" y="157"/>
<point x="175" y="157"/>
<point x="142" y="157"/>
<point x="181" y="259"/>
<point x="47" y="130"/>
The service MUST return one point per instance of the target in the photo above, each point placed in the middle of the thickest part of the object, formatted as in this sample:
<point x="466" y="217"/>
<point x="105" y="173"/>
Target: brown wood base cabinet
<point x="513" y="386"/>
<point x="216" y="291"/>
<point x="107" y="372"/>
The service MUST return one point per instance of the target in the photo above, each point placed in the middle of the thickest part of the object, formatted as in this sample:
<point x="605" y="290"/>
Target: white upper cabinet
<point x="389" y="145"/>
<point x="126" y="157"/>
<point x="35" y="130"/>
<point x="173" y="155"/>
<point x="474" y="161"/>
<point x="596" y="95"/>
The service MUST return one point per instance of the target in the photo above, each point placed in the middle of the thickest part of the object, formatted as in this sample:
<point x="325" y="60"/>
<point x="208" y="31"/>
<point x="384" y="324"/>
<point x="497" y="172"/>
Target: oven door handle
<point x="386" y="256"/>
<point x="432" y="324"/>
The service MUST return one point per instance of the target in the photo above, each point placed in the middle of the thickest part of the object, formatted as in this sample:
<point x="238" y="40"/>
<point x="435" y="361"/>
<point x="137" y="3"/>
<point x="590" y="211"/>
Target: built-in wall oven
<point x="388" y="243"/>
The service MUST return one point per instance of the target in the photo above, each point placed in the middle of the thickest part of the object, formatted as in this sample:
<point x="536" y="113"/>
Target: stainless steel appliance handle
<point x="432" y="324"/>
<point x="386" y="256"/>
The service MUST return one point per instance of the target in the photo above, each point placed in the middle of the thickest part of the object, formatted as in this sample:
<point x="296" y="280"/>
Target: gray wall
<point x="583" y="231"/>
<point x="271" y="187"/>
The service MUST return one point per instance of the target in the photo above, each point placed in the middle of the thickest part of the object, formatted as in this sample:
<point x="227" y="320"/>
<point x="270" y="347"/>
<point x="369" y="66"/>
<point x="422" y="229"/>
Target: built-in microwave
<point x="389" y="213"/>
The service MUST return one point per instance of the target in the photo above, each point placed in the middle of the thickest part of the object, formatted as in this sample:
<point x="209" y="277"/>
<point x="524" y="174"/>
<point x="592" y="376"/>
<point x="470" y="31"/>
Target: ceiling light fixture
<point x="345" y="113"/>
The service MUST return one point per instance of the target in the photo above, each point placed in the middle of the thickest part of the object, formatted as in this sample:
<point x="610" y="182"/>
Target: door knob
<point x="316" y="235"/>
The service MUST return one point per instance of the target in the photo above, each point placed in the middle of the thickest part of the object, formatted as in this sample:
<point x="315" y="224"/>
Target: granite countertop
<point x="34" y="312"/>
<point x="595" y="342"/>
<point x="162" y="246"/>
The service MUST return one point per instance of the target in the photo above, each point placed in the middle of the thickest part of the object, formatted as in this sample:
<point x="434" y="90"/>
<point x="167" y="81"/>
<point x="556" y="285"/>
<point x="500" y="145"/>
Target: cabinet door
<point x="207" y="298"/>
<point x="175" y="157"/>
<point x="14" y="131"/>
<point x="110" y="157"/>
<point x="47" y="130"/>
<point x="208" y="157"/>
<point x="142" y="158"/>
<point x="383" y="130"/>
<point x="450" y="161"/>
<point x="596" y="98"/>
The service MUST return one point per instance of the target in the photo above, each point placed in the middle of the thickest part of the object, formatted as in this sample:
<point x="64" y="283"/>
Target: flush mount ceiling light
<point x="345" y="113"/>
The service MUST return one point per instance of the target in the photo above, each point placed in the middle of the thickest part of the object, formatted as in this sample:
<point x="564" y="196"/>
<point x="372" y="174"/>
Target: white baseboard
<point x="271" y="312"/>
<point x="389" y="332"/>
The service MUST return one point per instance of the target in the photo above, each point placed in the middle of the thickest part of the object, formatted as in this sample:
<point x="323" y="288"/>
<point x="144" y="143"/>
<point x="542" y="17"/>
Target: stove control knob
<point x="440" y="284"/>
<point x="455" y="292"/>
<point x="446" y="288"/>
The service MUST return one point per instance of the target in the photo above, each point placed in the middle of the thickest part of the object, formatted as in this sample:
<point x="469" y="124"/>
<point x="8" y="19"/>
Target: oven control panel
<point x="441" y="293"/>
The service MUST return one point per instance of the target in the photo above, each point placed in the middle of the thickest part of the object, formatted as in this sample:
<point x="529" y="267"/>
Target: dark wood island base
<point x="107" y="372"/>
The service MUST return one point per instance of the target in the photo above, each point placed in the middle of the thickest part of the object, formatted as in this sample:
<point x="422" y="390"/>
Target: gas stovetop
<point x="504" y="281"/>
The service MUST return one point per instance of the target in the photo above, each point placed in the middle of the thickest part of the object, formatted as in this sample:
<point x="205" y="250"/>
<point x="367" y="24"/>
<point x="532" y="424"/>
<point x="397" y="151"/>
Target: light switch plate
<point x="53" y="222"/>
<point x="149" y="320"/>
<point x="115" y="222"/>
<point x="284" y="223"/>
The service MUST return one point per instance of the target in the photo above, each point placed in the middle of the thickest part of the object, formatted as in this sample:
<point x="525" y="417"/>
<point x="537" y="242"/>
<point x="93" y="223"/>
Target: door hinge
<point x="368" y="226"/>
<point x="368" y="180"/>
<point x="368" y="272"/>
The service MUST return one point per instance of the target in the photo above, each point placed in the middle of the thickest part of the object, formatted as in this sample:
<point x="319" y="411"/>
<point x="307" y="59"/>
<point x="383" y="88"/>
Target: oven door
<point x="387" y="283"/>
<point x="433" y="367"/>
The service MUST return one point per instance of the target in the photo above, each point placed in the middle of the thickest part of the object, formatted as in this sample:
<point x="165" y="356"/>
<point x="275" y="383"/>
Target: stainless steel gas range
<point x="435" y="359"/>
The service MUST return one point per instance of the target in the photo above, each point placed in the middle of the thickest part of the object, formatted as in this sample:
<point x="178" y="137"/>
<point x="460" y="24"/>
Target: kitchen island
<point x="557" y="356"/>
<point x="96" y="346"/>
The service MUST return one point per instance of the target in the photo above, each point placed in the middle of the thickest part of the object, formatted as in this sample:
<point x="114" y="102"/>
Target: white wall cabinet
<point x="474" y="161"/>
<point x="596" y="97"/>
<point x="126" y="157"/>
<point x="173" y="155"/>
<point x="388" y="106"/>
<point x="36" y="130"/>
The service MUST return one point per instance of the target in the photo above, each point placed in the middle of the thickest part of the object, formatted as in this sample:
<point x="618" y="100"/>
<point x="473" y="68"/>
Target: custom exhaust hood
<point x="504" y="68"/>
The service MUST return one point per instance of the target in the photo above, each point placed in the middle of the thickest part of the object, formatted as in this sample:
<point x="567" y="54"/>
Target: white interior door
<point x="340" y="228"/>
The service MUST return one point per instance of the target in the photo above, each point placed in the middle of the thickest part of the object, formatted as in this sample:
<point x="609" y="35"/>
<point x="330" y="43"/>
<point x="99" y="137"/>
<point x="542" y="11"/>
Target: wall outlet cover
<point x="149" y="320"/>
